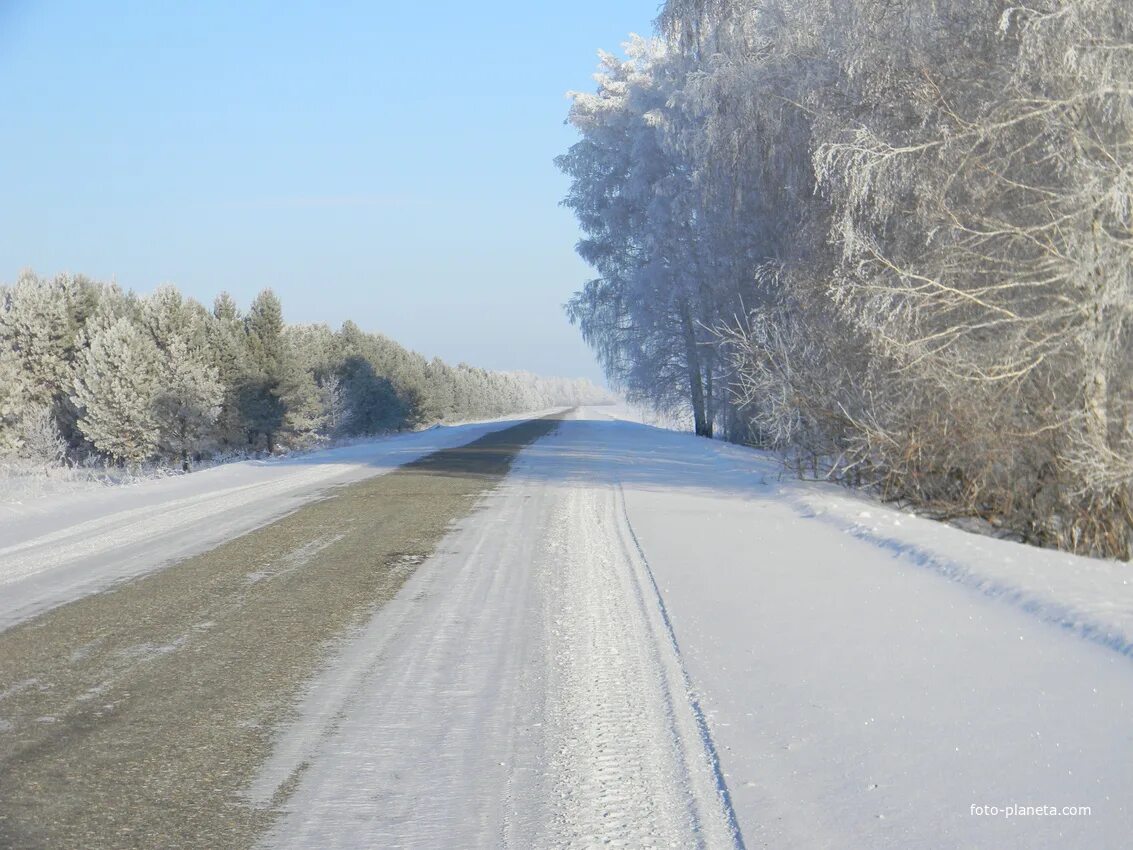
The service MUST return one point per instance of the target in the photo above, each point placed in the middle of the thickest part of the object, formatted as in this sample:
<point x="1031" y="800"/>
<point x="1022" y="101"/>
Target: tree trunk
<point x="696" y="382"/>
<point x="710" y="397"/>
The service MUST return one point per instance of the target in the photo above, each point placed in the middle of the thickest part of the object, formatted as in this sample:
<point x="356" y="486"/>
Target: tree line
<point x="893" y="241"/>
<point x="91" y="371"/>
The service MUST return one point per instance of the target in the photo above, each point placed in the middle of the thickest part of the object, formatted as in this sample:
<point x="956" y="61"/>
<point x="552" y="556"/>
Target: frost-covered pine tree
<point x="310" y="389"/>
<point x="168" y="317"/>
<point x="371" y="398"/>
<point x="161" y="377"/>
<point x="304" y="416"/>
<point x="186" y="403"/>
<point x="12" y="402"/>
<point x="226" y="346"/>
<point x="440" y="390"/>
<point x="116" y="380"/>
<point x="41" y="332"/>
<point x="261" y="404"/>
<point x="335" y="405"/>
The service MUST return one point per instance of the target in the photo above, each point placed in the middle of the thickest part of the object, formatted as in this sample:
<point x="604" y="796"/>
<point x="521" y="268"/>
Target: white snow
<point x="819" y="677"/>
<point x="53" y="550"/>
<point x="648" y="639"/>
<point x="522" y="690"/>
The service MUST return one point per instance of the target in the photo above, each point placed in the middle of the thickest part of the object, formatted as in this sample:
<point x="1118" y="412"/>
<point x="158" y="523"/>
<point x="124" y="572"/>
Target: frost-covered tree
<point x="227" y="354"/>
<point x="170" y="318"/>
<point x="41" y="334"/>
<point x="160" y="378"/>
<point x="981" y="196"/>
<point x="371" y="400"/>
<point x="186" y="402"/>
<point x="12" y="403"/>
<point x="261" y="405"/>
<point x="116" y="380"/>
<point x="902" y="233"/>
<point x="440" y="391"/>
<point x="40" y="440"/>
<point x="648" y="220"/>
<point x="335" y="406"/>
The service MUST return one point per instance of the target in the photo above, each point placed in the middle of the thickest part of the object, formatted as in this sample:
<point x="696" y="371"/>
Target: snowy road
<point x="526" y="688"/>
<point x="639" y="638"/>
<point x="54" y="550"/>
<point x="522" y="691"/>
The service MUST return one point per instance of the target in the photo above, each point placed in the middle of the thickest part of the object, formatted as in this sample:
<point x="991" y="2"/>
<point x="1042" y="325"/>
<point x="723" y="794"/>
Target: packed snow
<point x="523" y="690"/>
<point x="648" y="639"/>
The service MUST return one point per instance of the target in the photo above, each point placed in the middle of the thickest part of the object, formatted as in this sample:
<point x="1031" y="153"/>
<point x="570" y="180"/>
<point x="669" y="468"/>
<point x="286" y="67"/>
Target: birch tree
<point x="986" y="244"/>
<point x="645" y="315"/>
<point x="908" y="229"/>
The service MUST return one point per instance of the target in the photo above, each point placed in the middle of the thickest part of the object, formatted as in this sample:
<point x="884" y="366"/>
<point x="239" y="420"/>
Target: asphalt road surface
<point x="137" y="717"/>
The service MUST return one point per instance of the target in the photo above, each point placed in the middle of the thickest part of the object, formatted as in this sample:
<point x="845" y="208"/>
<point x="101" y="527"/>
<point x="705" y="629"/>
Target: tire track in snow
<point x="423" y="731"/>
<point x="545" y="615"/>
<point x="681" y="676"/>
<point x="523" y="690"/>
<point x="162" y="694"/>
<point x="629" y="757"/>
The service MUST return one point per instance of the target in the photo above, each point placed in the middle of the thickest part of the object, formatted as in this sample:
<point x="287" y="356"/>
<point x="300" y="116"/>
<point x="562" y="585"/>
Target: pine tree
<point x="264" y="327"/>
<point x="336" y="406"/>
<point x="115" y="383"/>
<point x="168" y="317"/>
<point x="228" y="356"/>
<point x="310" y="365"/>
<point x="371" y="399"/>
<point x="261" y="405"/>
<point x="186" y="404"/>
<point x="162" y="377"/>
<point x="12" y="402"/>
<point x="440" y="390"/>
<point x="37" y="333"/>
<point x="298" y="392"/>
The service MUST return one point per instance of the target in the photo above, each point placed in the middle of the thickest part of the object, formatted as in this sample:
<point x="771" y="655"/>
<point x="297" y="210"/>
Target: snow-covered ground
<point x="58" y="548"/>
<point x="522" y="690"/>
<point x="869" y="677"/>
<point x="649" y="639"/>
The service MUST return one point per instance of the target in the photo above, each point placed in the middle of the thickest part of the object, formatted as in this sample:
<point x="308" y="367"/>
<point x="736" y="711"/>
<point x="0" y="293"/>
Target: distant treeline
<point x="89" y="370"/>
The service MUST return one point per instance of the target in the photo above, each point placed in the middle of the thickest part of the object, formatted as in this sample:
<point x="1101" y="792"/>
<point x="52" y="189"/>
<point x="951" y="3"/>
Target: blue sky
<point x="386" y="165"/>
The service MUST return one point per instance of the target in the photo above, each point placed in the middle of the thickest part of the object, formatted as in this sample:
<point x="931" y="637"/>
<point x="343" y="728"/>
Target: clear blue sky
<point x="386" y="163"/>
